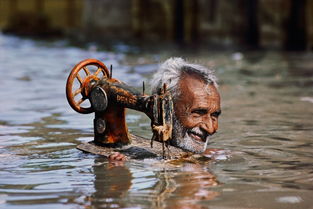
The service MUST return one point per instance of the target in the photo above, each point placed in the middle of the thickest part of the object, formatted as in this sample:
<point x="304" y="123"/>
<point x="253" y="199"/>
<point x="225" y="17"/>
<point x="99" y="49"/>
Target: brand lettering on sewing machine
<point x="126" y="100"/>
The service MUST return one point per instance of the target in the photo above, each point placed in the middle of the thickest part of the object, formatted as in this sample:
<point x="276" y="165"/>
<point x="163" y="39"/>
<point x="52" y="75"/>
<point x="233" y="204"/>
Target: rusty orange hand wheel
<point x="83" y="82"/>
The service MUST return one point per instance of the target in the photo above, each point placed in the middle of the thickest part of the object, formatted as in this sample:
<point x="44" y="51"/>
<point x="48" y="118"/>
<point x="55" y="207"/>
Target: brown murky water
<point x="266" y="125"/>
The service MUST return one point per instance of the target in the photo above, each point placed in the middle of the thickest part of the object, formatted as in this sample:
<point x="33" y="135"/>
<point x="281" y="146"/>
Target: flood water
<point x="266" y="126"/>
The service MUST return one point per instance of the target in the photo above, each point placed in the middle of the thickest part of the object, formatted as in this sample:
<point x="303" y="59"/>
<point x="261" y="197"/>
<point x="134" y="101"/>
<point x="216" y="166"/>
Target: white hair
<point x="171" y="70"/>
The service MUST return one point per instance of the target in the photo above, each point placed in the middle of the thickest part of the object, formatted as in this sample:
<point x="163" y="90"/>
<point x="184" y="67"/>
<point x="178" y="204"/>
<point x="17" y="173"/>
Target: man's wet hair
<point x="173" y="69"/>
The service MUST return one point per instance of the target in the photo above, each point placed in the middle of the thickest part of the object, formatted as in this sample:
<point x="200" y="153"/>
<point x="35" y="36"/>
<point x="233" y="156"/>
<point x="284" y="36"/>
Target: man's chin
<point x="191" y="144"/>
<point x="187" y="140"/>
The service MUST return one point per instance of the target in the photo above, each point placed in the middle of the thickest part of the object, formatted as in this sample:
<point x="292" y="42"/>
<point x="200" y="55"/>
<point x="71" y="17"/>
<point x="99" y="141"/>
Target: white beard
<point x="182" y="139"/>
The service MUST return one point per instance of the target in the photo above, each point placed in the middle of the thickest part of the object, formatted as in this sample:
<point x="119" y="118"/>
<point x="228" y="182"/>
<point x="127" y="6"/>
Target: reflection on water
<point x="111" y="184"/>
<point x="266" y="124"/>
<point x="119" y="185"/>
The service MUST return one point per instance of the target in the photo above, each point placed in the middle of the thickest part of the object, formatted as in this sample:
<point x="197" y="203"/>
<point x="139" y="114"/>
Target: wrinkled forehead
<point x="193" y="91"/>
<point x="192" y="83"/>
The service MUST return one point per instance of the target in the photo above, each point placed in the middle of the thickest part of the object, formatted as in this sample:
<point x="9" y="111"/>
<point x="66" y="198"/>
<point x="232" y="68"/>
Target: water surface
<point x="266" y="125"/>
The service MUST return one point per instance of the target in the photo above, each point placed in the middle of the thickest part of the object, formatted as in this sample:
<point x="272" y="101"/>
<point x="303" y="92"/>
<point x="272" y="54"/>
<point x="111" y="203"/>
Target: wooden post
<point x="70" y="10"/>
<point x="39" y="6"/>
<point x="13" y="7"/>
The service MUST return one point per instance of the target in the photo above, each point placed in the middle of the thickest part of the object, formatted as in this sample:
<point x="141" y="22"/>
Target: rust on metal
<point x="109" y="99"/>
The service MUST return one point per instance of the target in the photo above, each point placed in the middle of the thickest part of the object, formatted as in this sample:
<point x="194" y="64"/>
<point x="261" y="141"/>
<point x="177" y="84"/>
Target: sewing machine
<point x="109" y="98"/>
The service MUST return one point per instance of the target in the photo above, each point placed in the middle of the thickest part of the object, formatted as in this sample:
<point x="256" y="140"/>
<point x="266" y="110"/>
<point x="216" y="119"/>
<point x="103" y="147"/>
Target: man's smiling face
<point x="196" y="113"/>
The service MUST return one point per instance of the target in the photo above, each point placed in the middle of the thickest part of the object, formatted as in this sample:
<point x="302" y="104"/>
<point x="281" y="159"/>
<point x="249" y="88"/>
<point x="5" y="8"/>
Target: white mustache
<point x="197" y="130"/>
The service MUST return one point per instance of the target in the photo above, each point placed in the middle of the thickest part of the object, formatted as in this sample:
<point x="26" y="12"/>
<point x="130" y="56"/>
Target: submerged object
<point x="139" y="148"/>
<point x="108" y="98"/>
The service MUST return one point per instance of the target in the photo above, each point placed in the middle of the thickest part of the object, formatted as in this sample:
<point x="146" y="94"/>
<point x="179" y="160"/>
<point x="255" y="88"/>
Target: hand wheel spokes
<point x="86" y="71"/>
<point x="83" y="83"/>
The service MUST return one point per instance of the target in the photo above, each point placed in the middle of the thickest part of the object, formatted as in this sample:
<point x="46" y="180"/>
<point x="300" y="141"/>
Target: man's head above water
<point x="196" y="102"/>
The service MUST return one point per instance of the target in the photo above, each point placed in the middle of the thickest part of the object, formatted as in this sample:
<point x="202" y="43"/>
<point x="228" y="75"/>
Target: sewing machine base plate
<point x="139" y="148"/>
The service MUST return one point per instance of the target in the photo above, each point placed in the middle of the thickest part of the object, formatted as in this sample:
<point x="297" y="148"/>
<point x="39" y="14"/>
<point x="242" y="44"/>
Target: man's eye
<point x="200" y="111"/>
<point x="216" y="114"/>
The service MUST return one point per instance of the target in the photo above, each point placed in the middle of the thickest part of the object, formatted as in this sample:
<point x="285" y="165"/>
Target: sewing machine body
<point x="109" y="98"/>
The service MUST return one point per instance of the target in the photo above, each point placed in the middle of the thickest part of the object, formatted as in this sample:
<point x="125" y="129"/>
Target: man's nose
<point x="209" y="126"/>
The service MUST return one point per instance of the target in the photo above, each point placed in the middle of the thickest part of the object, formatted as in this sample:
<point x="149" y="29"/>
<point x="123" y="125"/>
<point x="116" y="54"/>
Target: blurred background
<point x="261" y="51"/>
<point x="266" y="24"/>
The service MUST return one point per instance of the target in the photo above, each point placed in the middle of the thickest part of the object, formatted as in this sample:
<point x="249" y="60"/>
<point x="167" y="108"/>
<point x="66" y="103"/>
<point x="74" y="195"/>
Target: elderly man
<point x="196" y="102"/>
